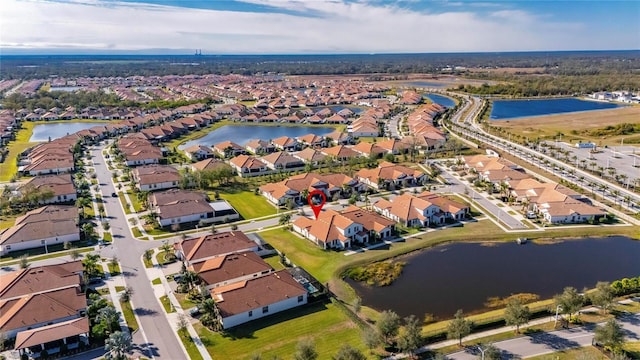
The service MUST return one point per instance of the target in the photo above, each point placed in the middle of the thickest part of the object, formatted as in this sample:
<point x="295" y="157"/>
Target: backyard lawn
<point x="588" y="352"/>
<point x="265" y="336"/>
<point x="9" y="167"/>
<point x="248" y="204"/>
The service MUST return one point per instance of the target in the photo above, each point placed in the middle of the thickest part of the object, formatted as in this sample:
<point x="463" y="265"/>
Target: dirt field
<point x="573" y="126"/>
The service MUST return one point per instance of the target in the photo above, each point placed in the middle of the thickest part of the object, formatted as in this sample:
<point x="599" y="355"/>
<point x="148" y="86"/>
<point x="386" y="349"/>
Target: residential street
<point x="155" y="338"/>
<point x="548" y="342"/>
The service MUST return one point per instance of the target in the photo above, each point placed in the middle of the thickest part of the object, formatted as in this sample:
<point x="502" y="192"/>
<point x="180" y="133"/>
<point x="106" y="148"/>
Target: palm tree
<point x="190" y="278"/>
<point x="110" y="316"/>
<point x="210" y="314"/>
<point x="615" y="194"/>
<point x="612" y="172"/>
<point x="90" y="264"/>
<point x="117" y="346"/>
<point x="584" y="163"/>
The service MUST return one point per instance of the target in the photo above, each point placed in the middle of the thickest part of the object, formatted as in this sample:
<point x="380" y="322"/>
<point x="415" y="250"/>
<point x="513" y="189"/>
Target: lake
<point x="42" y="132"/>
<point x="510" y="109"/>
<point x="242" y="134"/>
<point x="462" y="276"/>
<point x="441" y="100"/>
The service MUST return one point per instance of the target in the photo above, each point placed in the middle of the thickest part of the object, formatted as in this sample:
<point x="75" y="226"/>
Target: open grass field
<point x="549" y="126"/>
<point x="9" y="167"/>
<point x="326" y="325"/>
<point x="248" y="204"/>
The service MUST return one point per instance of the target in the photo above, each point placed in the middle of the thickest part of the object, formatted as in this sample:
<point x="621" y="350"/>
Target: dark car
<point x="114" y="195"/>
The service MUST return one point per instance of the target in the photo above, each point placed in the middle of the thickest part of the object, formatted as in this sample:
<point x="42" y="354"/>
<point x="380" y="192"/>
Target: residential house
<point x="227" y="149"/>
<point x="310" y="156"/>
<point x="155" y="177"/>
<point x="333" y="229"/>
<point x="388" y="175"/>
<point x="340" y="152"/>
<point x="421" y="210"/>
<point x="43" y="307"/>
<point x="137" y="150"/>
<point x="182" y="206"/>
<point x="198" y="152"/>
<point x="230" y="268"/>
<point x="209" y="165"/>
<point x="258" y="146"/>
<point x="252" y="299"/>
<point x="294" y="188"/>
<point x="286" y="143"/>
<point x="247" y="166"/>
<point x="313" y="140"/>
<point x="60" y="187"/>
<point x="200" y="249"/>
<point x="48" y="225"/>
<point x="282" y="161"/>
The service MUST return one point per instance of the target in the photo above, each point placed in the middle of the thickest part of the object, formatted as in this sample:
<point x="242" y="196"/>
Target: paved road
<point x="548" y="342"/>
<point x="156" y="337"/>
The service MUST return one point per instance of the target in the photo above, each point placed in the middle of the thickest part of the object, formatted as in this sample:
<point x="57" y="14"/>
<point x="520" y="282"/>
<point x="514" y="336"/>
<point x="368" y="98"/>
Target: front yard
<point x="326" y="325"/>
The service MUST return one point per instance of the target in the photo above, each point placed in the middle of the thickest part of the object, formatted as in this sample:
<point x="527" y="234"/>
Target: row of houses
<point x="176" y="206"/>
<point x="243" y="285"/>
<point x="44" y="309"/>
<point x="386" y="175"/>
<point x="422" y="131"/>
<point x="52" y="157"/>
<point x="556" y="203"/>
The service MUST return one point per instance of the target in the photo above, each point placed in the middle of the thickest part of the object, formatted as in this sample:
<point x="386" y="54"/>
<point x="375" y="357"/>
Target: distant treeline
<point x="545" y="85"/>
<point x="556" y="63"/>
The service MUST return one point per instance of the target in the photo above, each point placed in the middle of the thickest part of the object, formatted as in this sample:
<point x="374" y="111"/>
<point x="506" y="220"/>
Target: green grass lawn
<point x="274" y="261"/>
<point x="156" y="281"/>
<point x="184" y="302"/>
<point x="106" y="236"/>
<point x="147" y="263"/>
<point x="633" y="349"/>
<point x="588" y="352"/>
<point x="120" y="288"/>
<point x="89" y="213"/>
<point x="7" y="221"/>
<point x="137" y="206"/>
<point x="248" y="204"/>
<point x="114" y="269"/>
<point x="164" y="299"/>
<point x="324" y="324"/>
<point x="127" y="312"/>
<point x="136" y="232"/>
<point x="123" y="201"/>
<point x="9" y="167"/>
<point x="192" y="349"/>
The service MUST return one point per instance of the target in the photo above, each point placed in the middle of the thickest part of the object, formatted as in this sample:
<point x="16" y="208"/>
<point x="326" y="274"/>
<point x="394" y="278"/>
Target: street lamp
<point x="481" y="351"/>
<point x="558" y="308"/>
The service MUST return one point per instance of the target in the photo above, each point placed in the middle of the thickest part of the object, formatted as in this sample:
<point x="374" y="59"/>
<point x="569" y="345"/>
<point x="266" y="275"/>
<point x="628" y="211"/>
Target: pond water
<point x="42" y="132"/>
<point x="510" y="109"/>
<point x="441" y="100"/>
<point x="336" y="108"/>
<point x="446" y="278"/>
<point x="241" y="134"/>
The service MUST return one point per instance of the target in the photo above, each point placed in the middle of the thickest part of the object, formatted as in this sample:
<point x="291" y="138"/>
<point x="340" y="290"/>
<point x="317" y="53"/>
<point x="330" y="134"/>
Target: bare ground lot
<point x="508" y="70"/>
<point x="574" y="126"/>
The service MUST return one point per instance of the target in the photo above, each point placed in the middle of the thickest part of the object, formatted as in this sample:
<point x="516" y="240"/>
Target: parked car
<point x="114" y="194"/>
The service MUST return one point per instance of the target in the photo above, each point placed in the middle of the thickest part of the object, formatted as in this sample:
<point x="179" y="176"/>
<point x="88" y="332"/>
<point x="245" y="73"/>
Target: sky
<point x="316" y="26"/>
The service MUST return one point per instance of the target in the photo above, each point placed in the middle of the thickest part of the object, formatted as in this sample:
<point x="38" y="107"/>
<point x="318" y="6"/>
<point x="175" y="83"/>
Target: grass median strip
<point x="166" y="304"/>
<point x="189" y="345"/>
<point x="129" y="317"/>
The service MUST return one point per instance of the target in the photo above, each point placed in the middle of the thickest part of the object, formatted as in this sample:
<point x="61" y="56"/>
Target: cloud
<point x="334" y="26"/>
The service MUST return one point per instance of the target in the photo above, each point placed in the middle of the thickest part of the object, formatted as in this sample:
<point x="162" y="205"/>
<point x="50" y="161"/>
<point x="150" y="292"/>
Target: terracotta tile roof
<point x="45" y="334"/>
<point x="310" y="155"/>
<point x="228" y="267"/>
<point x="40" y="279"/>
<point x="388" y="171"/>
<point x="209" y="164"/>
<point x="257" y="293"/>
<point x="247" y="161"/>
<point x="41" y="308"/>
<point x="198" y="249"/>
<point x="445" y="204"/>
<point x="340" y="151"/>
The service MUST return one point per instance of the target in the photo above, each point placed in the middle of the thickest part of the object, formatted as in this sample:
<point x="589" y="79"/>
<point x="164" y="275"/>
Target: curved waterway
<point x="463" y="276"/>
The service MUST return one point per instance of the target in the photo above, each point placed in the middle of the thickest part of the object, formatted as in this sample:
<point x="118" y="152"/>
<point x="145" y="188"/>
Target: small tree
<point x="126" y="294"/>
<point x="148" y="255"/>
<point x="24" y="261"/>
<point x="570" y="301"/>
<point x="411" y="337"/>
<point x="74" y="254"/>
<point x="610" y="335"/>
<point x="347" y="352"/>
<point x="305" y="350"/>
<point x="371" y="338"/>
<point x="459" y="327"/>
<point x="234" y="227"/>
<point x="357" y="305"/>
<point x="489" y="352"/>
<point x="388" y="325"/>
<point x="603" y="296"/>
<point x="213" y="229"/>
<point x="182" y="323"/>
<point x="516" y="314"/>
